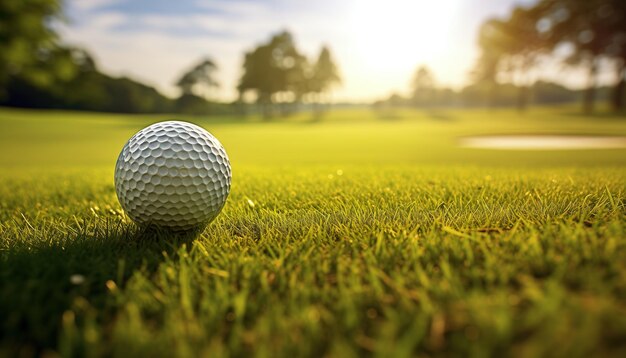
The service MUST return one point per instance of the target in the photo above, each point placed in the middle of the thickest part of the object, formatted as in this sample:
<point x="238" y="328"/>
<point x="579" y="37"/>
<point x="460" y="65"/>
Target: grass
<point x="354" y="236"/>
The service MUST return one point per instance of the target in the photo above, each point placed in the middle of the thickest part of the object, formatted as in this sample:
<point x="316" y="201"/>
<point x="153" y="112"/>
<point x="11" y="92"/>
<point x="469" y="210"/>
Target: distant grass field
<point x="358" y="235"/>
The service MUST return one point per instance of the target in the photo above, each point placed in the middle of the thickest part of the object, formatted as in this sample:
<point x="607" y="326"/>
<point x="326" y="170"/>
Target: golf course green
<point x="364" y="233"/>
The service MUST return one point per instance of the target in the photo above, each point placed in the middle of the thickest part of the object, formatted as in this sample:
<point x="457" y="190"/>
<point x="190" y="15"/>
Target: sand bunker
<point x="543" y="142"/>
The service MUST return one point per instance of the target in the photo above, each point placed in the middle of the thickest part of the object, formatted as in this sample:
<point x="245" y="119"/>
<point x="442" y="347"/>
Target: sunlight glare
<point x="397" y="33"/>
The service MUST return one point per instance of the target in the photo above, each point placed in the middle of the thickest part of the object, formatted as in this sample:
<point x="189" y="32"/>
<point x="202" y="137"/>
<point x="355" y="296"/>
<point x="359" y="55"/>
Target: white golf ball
<point x="173" y="175"/>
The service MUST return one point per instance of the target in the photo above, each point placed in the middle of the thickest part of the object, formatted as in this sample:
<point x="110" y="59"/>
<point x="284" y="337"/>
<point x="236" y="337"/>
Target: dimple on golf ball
<point x="173" y="175"/>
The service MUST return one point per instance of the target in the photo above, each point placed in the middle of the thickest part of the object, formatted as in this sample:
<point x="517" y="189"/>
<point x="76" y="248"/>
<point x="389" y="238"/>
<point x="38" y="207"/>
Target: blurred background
<point x="276" y="57"/>
<point x="452" y="171"/>
<point x="336" y="83"/>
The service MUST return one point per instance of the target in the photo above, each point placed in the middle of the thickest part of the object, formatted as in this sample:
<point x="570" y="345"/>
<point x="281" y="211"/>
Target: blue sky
<point x="376" y="43"/>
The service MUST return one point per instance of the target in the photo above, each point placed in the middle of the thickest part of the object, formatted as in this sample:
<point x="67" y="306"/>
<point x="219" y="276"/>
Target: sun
<point x="393" y="34"/>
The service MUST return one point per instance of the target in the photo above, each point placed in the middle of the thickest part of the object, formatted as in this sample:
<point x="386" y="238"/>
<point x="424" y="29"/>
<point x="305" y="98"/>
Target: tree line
<point x="279" y="76"/>
<point x="426" y="92"/>
<point x="587" y="35"/>
<point x="583" y="34"/>
<point x="38" y="71"/>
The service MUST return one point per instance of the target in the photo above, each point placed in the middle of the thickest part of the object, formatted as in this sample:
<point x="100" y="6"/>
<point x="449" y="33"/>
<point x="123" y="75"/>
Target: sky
<point x="377" y="44"/>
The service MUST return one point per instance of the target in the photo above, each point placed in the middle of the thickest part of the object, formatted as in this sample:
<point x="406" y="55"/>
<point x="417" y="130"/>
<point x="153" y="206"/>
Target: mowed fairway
<point x="360" y="234"/>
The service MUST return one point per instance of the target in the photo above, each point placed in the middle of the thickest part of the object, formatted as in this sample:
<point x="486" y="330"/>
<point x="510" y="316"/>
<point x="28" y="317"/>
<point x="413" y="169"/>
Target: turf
<point x="361" y="234"/>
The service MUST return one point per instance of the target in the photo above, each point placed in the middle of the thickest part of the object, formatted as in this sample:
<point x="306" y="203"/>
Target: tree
<point x="275" y="71"/>
<point x="324" y="76"/>
<point x="523" y="48"/>
<point x="492" y="40"/>
<point x="37" y="71"/>
<point x="199" y="77"/>
<point x="619" y="89"/>
<point x="423" y="85"/>
<point x="510" y="47"/>
<point x="325" y="72"/>
<point x="195" y="86"/>
<point x="617" y="50"/>
<point x="588" y="26"/>
<point x="28" y="43"/>
<point x="88" y="89"/>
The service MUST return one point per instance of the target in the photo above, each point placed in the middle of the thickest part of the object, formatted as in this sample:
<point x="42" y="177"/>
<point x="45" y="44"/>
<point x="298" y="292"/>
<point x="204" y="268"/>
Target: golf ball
<point x="173" y="175"/>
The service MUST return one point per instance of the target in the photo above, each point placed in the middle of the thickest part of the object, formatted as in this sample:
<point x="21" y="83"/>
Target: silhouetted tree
<point x="423" y="86"/>
<point x="275" y="71"/>
<point x="617" y="49"/>
<point x="589" y="26"/>
<point x="510" y="47"/>
<point x="619" y="90"/>
<point x="594" y="29"/>
<point x="195" y="85"/>
<point x="523" y="49"/>
<point x="492" y="39"/>
<point x="324" y="76"/>
<point x="200" y="76"/>
<point x="28" y="43"/>
<point x="88" y="89"/>
<point x="36" y="71"/>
